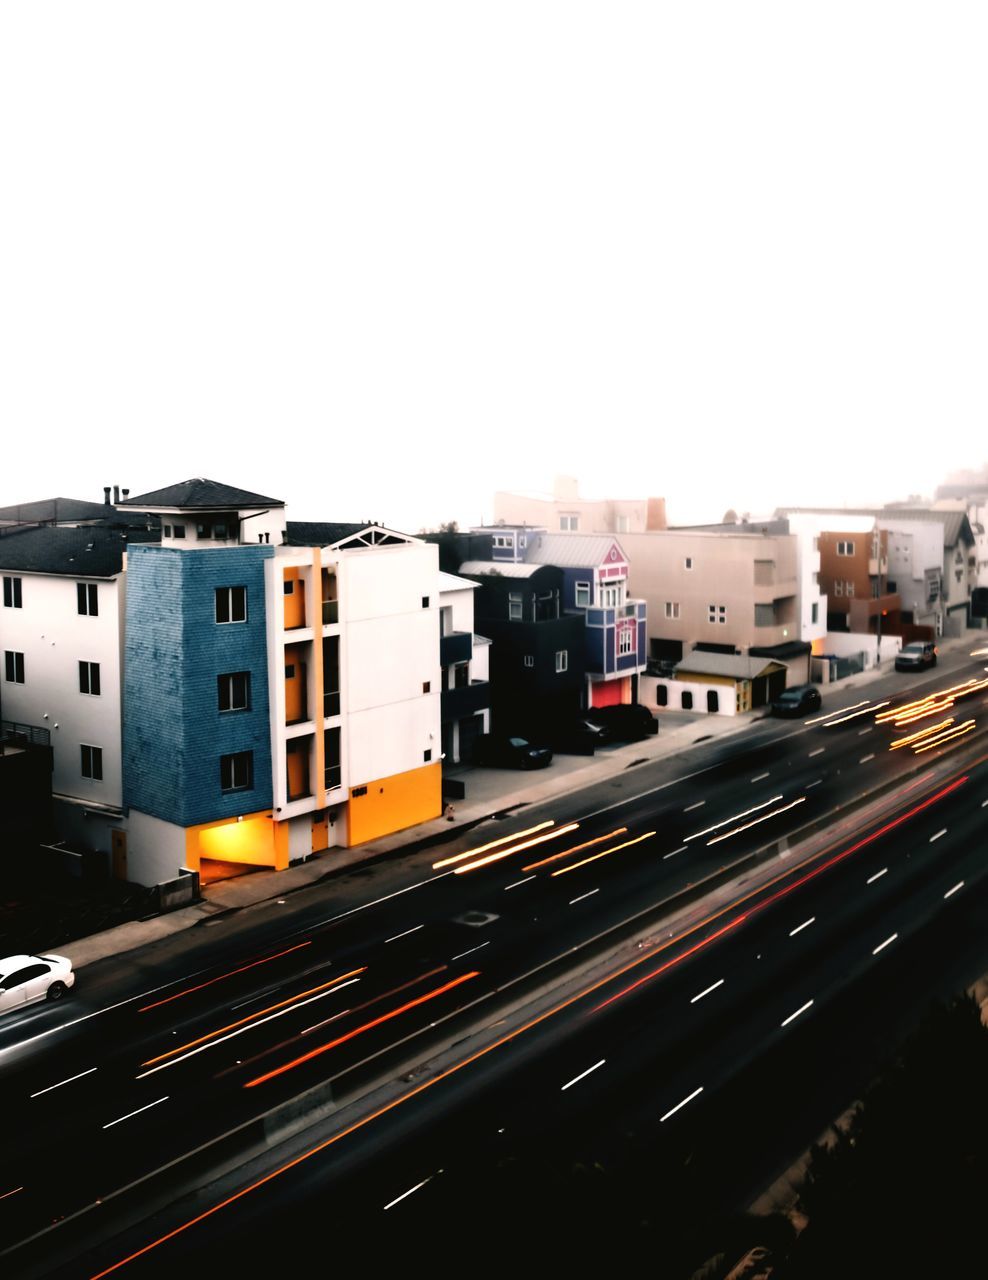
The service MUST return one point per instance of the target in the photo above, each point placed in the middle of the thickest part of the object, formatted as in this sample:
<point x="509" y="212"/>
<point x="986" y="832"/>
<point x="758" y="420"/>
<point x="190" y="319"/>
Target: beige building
<point x="724" y="591"/>
<point x="564" y="511"/>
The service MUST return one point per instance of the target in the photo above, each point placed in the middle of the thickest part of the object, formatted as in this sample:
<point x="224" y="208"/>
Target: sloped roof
<point x="199" y="493"/>
<point x="955" y="523"/>
<point x="94" y="552"/>
<point x="498" y="568"/>
<point x="572" y="550"/>
<point x="450" y="582"/>
<point x="55" y="510"/>
<point x="738" y="666"/>
<point x="319" y="533"/>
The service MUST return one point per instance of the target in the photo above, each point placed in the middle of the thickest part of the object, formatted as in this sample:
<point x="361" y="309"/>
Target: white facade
<point x="54" y="638"/>
<point x="812" y="602"/>
<point x="456" y="599"/>
<point x="978" y="516"/>
<point x="915" y="558"/>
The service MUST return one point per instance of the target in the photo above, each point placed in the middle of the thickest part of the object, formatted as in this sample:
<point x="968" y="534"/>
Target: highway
<point x="743" y="895"/>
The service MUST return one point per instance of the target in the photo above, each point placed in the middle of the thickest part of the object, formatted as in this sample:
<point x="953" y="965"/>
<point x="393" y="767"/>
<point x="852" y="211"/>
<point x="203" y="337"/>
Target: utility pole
<point x="878" y="627"/>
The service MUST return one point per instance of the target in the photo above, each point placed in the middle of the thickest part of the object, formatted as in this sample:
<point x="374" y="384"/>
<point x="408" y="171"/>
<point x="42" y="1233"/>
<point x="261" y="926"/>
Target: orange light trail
<point x="576" y="848"/>
<point x="517" y="848"/>
<point x="373" y="1116"/>
<point x="958" y="732"/>
<point x="920" y="733"/>
<point x="472" y="853"/>
<point x="561" y="871"/>
<point x="258" y="1013"/>
<point x="187" y="991"/>
<point x="367" y="1026"/>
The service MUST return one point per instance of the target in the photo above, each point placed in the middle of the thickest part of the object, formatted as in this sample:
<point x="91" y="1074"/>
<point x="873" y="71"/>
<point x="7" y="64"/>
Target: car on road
<point x="25" y="979"/>
<point x="797" y="700"/>
<point x="507" y="751"/>
<point x="916" y="656"/>
<point x="627" y="721"/>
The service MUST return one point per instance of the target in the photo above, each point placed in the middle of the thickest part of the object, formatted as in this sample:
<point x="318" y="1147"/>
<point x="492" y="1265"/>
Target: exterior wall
<point x="723" y="573"/>
<point x="978" y="516"/>
<point x="174" y="733"/>
<point x="54" y="637"/>
<point x="727" y="697"/>
<point x="806" y="529"/>
<point x="915" y="565"/>
<point x="608" y="515"/>
<point x="836" y="571"/>
<point x="156" y="850"/>
<point x="393" y="803"/>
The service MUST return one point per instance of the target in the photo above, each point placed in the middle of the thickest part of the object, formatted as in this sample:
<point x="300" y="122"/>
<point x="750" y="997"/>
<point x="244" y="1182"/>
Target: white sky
<point x="380" y="259"/>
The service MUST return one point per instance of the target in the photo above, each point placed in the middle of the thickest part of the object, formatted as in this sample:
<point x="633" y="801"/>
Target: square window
<point x="426" y="686"/>
<point x="92" y="762"/>
<point x="582" y="594"/>
<point x="427" y="754"/>
<point x="529" y="659"/>
<point x="233" y="691"/>
<point x="289" y="586"/>
<point x="87" y="599"/>
<point x="166" y="529"/>
<point x="562" y="660"/>
<point x="237" y="771"/>
<point x="425" y="602"/>
<point x="179" y="530"/>
<point x="231" y="604"/>
<point x="12" y="593"/>
<point x="514" y="606"/>
<point x="89" y="678"/>
<point x="289" y="670"/>
<point x="13" y="666"/>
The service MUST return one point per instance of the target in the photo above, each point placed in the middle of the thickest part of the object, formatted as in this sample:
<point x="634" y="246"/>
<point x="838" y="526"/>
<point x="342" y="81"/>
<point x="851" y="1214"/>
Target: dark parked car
<point x="582" y="734"/>
<point x="509" y="752"/>
<point x="797" y="700"/>
<point x="627" y="721"/>
<point x="916" y="656"/>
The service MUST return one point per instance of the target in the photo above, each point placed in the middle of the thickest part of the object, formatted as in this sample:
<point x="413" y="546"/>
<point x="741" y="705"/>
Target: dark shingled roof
<point x="79" y="553"/>
<point x="54" y="510"/>
<point x="206" y="494"/>
<point x="319" y="533"/>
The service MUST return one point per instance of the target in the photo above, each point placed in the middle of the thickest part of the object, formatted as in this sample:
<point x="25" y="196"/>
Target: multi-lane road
<point x="616" y="958"/>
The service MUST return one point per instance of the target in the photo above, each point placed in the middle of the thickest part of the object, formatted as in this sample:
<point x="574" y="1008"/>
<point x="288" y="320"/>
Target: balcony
<point x="455" y="647"/>
<point x="23" y="735"/>
<point x="608" y="617"/>
<point x="455" y="704"/>
<point x="777" y="589"/>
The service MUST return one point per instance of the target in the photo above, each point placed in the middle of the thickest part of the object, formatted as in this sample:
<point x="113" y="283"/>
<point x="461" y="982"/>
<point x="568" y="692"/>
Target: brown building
<point x="853" y="575"/>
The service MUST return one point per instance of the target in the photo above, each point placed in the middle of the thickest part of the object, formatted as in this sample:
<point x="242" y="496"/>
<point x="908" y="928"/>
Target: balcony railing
<point x="455" y="647"/>
<point x="27" y="734"/>
<point x="607" y="617"/>
<point x="455" y="704"/>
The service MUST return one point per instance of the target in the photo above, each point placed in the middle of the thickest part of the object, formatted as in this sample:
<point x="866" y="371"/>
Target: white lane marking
<point x="868" y="730"/>
<point x="137" y="1112"/>
<point x="699" y="805"/>
<point x="471" y="951"/>
<point x="734" y="818"/>
<point x="682" y="849"/>
<point x="938" y="835"/>
<point x="673" y="1111"/>
<point x="818" y="752"/>
<point x="865" y="759"/>
<point x="958" y="885"/>
<point x="802" y="1009"/>
<point x="707" y="990"/>
<point x="867" y="711"/>
<point x="984" y="804"/>
<point x="583" y="895"/>
<point x="759" y="777"/>
<point x="583" y="1075"/>
<point x="404" y="1195"/>
<point x="877" y="876"/>
<point x="415" y="929"/>
<point x="249" y="1026"/>
<point x="815" y="783"/>
<point x="793" y="932"/>
<point x="516" y="883"/>
<point x="726" y="835"/>
<point x="882" y="945"/>
<point x="837" y="710"/>
<point x="61" y="1082"/>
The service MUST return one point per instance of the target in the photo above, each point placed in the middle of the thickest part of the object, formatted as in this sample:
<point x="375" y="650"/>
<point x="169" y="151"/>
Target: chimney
<point x="116" y="493"/>
<point x="106" y="494"/>
<point x="125" y="493"/>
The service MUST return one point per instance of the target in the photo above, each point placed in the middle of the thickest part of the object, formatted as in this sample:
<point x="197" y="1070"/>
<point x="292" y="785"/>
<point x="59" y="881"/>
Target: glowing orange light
<point x="920" y="734"/>
<point x="561" y="871"/>
<point x="472" y="853"/>
<point x="187" y="991"/>
<point x="576" y="848"/>
<point x="517" y="848"/>
<point x="958" y="732"/>
<point x="367" y="1026"/>
<point x="282" y="1004"/>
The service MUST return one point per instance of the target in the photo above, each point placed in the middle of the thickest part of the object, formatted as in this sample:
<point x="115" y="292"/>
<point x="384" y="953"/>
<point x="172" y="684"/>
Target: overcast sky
<point x="381" y="259"/>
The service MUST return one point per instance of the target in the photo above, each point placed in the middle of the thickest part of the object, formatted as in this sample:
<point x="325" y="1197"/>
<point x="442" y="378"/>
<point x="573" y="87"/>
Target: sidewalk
<point x="489" y="792"/>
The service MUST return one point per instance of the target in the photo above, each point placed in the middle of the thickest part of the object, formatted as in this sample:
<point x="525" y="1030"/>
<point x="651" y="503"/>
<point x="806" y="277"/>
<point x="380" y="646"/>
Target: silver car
<point x="25" y="979"/>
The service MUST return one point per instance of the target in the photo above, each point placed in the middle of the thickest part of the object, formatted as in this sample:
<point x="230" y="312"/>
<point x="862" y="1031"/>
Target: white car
<point x="24" y="979"/>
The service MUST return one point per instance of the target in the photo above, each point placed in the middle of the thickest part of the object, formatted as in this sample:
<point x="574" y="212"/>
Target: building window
<point x="522" y="541"/>
<point x="688" y="562"/>
<point x="89" y="678"/>
<point x="621" y="524"/>
<point x="219" y="531"/>
<point x="845" y="548"/>
<point x="687" y="700"/>
<point x="514" y="606"/>
<point x="502" y="541"/>
<point x="426" y="686"/>
<point x="166" y="529"/>
<point x="12" y="593"/>
<point x="582" y="594"/>
<point x="716" y="613"/>
<point x="13" y="666"/>
<point x="815" y="613"/>
<point x="562" y="660"/>
<point x="425" y="602"/>
<point x="569" y="523"/>
<point x="672" y="608"/>
<point x="626" y="640"/>
<point x="529" y="659"/>
<point x="86" y="598"/>
<point x="289" y="586"/>
<point x="233" y="691"/>
<point x="427" y="754"/>
<point x="179" y="530"/>
<point x="237" y="771"/>
<point x="92" y="762"/>
<point x="612" y="597"/>
<point x="231" y="604"/>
